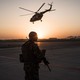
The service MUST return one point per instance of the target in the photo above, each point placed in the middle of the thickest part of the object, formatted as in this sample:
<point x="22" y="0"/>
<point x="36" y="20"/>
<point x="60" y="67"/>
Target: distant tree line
<point x="69" y="38"/>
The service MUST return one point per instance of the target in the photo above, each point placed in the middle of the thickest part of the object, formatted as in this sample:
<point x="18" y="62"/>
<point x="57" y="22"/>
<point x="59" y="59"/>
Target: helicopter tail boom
<point x="50" y="5"/>
<point x="47" y="10"/>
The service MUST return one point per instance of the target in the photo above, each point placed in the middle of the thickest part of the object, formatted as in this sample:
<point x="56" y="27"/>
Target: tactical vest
<point x="28" y="53"/>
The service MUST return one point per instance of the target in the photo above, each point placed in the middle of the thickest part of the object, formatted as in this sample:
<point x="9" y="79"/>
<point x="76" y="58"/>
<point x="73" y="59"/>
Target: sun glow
<point x="40" y="35"/>
<point x="39" y="29"/>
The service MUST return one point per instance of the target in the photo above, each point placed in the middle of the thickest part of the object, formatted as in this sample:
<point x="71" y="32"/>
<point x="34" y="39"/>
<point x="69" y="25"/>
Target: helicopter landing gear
<point x="41" y="20"/>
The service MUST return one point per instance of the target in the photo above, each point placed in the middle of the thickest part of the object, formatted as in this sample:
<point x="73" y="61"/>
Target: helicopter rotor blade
<point x="26" y="9"/>
<point x="41" y="7"/>
<point x="53" y="10"/>
<point x="26" y="14"/>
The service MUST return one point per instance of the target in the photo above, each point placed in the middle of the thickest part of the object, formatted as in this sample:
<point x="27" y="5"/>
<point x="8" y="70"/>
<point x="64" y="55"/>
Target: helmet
<point x="32" y="34"/>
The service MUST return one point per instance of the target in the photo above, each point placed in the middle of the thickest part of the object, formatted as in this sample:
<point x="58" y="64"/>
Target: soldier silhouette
<point x="32" y="56"/>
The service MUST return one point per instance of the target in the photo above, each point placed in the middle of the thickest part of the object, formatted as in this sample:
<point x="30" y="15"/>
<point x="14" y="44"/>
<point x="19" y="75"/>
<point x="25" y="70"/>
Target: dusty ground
<point x="64" y="63"/>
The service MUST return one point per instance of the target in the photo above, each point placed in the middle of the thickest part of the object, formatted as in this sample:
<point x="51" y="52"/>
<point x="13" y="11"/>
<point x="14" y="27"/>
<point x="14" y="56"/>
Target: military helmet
<point x="32" y="34"/>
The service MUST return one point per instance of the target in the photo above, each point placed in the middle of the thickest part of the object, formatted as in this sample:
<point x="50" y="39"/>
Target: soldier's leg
<point x="31" y="72"/>
<point x="28" y="75"/>
<point x="36" y="74"/>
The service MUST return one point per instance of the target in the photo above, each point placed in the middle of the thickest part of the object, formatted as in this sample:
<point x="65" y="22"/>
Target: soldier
<point x="32" y="56"/>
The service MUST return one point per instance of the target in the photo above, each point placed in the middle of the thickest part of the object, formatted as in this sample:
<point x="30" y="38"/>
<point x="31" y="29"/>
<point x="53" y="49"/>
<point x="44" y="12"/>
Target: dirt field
<point x="64" y="63"/>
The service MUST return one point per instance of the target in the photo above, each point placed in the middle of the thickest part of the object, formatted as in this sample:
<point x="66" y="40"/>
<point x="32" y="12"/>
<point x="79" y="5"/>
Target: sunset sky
<point x="63" y="22"/>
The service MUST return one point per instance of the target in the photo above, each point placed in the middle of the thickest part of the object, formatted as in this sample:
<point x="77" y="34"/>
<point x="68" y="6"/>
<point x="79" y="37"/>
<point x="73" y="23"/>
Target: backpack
<point x="21" y="58"/>
<point x="27" y="53"/>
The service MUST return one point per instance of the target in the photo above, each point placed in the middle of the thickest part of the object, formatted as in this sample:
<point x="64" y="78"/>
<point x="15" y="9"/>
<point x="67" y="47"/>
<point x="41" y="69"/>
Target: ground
<point x="64" y="63"/>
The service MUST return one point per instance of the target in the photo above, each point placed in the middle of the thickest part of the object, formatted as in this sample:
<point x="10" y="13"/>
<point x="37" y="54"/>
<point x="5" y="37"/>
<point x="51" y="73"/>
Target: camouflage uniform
<point x="32" y="56"/>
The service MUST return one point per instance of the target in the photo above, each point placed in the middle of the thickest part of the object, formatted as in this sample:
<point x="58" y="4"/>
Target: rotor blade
<point x="26" y="14"/>
<point x="53" y="10"/>
<point x="41" y="7"/>
<point x="26" y="9"/>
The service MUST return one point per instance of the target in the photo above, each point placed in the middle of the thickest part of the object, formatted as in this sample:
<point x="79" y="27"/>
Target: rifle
<point x="48" y="68"/>
<point x="46" y="62"/>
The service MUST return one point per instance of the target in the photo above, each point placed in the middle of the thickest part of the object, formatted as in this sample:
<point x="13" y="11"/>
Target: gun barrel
<point x="45" y="61"/>
<point x="49" y="68"/>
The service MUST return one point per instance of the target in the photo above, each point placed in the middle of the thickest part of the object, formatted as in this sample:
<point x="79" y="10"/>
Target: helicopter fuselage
<point x="36" y="17"/>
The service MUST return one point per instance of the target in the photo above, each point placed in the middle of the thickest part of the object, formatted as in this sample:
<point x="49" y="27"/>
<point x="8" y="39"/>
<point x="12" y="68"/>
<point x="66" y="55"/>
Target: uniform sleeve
<point x="38" y="52"/>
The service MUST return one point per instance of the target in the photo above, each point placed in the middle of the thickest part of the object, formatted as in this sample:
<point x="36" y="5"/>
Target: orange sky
<point x="63" y="22"/>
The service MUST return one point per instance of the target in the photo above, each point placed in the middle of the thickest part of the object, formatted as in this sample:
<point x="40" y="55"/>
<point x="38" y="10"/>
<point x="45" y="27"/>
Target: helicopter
<point x="38" y="15"/>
